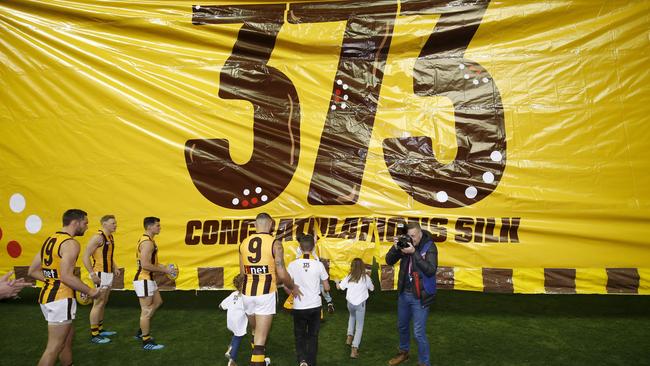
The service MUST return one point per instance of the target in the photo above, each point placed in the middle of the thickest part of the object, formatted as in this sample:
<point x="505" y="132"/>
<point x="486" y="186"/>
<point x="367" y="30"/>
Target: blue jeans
<point x="234" y="346"/>
<point x="409" y="307"/>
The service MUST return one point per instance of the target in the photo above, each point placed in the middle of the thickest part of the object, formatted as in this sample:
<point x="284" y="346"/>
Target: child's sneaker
<point x="227" y="354"/>
<point x="330" y="307"/>
<point x="267" y="361"/>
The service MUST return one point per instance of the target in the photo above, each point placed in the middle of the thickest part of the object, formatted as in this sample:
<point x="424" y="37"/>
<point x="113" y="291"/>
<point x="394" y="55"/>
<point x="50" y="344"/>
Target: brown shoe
<point x="401" y="357"/>
<point x="354" y="353"/>
<point x="348" y="341"/>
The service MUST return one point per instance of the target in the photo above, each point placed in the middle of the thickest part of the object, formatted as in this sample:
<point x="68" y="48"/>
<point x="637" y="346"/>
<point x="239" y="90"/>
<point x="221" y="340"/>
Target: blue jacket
<point x="424" y="262"/>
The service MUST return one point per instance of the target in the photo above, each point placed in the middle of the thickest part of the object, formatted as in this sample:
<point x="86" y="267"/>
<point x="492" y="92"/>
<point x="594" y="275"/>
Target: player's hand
<point x="94" y="293"/>
<point x="408" y="250"/>
<point x="117" y="271"/>
<point x="95" y="278"/>
<point x="297" y="294"/>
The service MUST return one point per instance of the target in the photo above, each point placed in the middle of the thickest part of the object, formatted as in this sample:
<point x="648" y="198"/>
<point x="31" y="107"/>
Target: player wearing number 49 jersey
<point x="261" y="260"/>
<point x="54" y="265"/>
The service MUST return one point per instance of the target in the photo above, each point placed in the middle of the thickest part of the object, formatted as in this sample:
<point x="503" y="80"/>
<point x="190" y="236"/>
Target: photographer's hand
<point x="408" y="250"/>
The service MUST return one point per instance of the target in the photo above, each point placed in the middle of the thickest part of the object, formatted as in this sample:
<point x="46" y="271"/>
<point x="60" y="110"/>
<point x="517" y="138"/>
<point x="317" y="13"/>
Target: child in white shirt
<point x="236" y="319"/>
<point x="357" y="284"/>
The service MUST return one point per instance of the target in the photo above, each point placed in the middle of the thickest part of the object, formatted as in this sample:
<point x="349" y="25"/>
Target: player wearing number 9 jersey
<point x="54" y="265"/>
<point x="261" y="261"/>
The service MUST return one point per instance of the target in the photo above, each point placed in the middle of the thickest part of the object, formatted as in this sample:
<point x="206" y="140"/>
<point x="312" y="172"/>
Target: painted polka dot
<point x="471" y="192"/>
<point x="264" y="198"/>
<point x="33" y="224"/>
<point x="339" y="82"/>
<point x="254" y="200"/>
<point x="442" y="196"/>
<point x="475" y="82"/>
<point x="258" y="190"/>
<point x="244" y="203"/>
<point x="345" y="97"/>
<point x="461" y="66"/>
<point x="247" y="192"/>
<point x="333" y="107"/>
<point x="345" y="86"/>
<point x="197" y="7"/>
<point x="488" y="177"/>
<point x="235" y="201"/>
<point x="496" y="156"/>
<point x="485" y="80"/>
<point x="466" y="76"/>
<point x="14" y="249"/>
<point x="343" y="105"/>
<point x="17" y="202"/>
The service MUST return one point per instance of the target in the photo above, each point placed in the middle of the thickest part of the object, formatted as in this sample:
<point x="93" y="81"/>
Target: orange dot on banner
<point x="14" y="249"/>
<point x="244" y="203"/>
<point x="254" y="200"/>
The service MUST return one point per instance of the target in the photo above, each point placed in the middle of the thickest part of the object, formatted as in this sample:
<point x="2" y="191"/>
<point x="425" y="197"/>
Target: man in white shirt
<point x="308" y="273"/>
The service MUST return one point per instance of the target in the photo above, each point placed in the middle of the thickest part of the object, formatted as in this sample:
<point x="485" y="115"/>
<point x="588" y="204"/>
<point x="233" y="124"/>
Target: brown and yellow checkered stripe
<point x="535" y="280"/>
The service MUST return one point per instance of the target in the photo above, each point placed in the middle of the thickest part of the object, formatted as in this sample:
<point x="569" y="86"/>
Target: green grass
<point x="464" y="328"/>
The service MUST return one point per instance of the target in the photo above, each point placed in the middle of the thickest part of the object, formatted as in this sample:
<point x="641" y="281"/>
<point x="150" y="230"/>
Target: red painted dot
<point x="0" y="233"/>
<point x="338" y="91"/>
<point x="254" y="200"/>
<point x="14" y="249"/>
<point x="244" y="203"/>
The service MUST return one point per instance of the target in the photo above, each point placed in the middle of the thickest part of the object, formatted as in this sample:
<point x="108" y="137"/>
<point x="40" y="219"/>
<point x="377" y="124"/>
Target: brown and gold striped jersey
<point x="259" y="266"/>
<point x="143" y="274"/>
<point x="53" y="289"/>
<point x="103" y="255"/>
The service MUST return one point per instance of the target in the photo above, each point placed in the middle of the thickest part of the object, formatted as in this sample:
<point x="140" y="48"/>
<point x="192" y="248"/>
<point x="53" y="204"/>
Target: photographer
<point x="416" y="287"/>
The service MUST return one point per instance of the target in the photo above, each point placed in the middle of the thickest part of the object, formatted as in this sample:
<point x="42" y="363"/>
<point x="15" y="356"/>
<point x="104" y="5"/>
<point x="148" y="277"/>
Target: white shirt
<point x="236" y="319"/>
<point x="308" y="275"/>
<point x="357" y="291"/>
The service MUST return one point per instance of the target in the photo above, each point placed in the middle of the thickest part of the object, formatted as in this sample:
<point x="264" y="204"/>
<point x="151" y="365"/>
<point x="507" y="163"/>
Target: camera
<point x="403" y="240"/>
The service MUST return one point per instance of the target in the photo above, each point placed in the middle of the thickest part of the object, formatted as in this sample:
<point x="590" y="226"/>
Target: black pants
<point x="306" y="324"/>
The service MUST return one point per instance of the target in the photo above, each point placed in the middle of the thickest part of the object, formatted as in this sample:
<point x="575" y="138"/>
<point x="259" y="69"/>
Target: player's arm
<point x="35" y="270"/>
<point x="146" y="249"/>
<point x="241" y="262"/>
<point x="69" y="252"/>
<point x="94" y="243"/>
<point x="281" y="270"/>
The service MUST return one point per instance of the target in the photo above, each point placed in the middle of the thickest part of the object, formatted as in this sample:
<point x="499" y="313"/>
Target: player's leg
<point x="56" y="337"/>
<point x="65" y="356"/>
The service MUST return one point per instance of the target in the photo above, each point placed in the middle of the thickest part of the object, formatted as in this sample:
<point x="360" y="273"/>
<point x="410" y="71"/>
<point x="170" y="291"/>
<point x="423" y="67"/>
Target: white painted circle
<point x="466" y="76"/>
<point x="343" y="105"/>
<point x="345" y="86"/>
<point x="345" y="97"/>
<point x="247" y="192"/>
<point x="488" y="177"/>
<point x="461" y="66"/>
<point x="485" y="80"/>
<point x="258" y="190"/>
<point x="471" y="192"/>
<point x="333" y="107"/>
<point x="33" y="224"/>
<point x="235" y="201"/>
<point x="442" y="196"/>
<point x="496" y="156"/>
<point x="339" y="81"/>
<point x="475" y="81"/>
<point x="264" y="198"/>
<point x="17" y="203"/>
<point x="197" y="7"/>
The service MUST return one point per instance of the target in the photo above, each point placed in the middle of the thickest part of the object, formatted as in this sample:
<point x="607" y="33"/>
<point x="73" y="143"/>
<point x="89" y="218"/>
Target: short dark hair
<point x="150" y="220"/>
<point x="306" y="242"/>
<point x="73" y="214"/>
<point x="106" y="218"/>
<point x="413" y="225"/>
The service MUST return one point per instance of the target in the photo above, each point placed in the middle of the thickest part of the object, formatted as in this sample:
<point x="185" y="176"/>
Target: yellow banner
<point x="516" y="132"/>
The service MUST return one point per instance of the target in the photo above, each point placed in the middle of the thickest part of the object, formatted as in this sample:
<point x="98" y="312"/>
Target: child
<point x="236" y="318"/>
<point x="308" y="273"/>
<point x="357" y="283"/>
